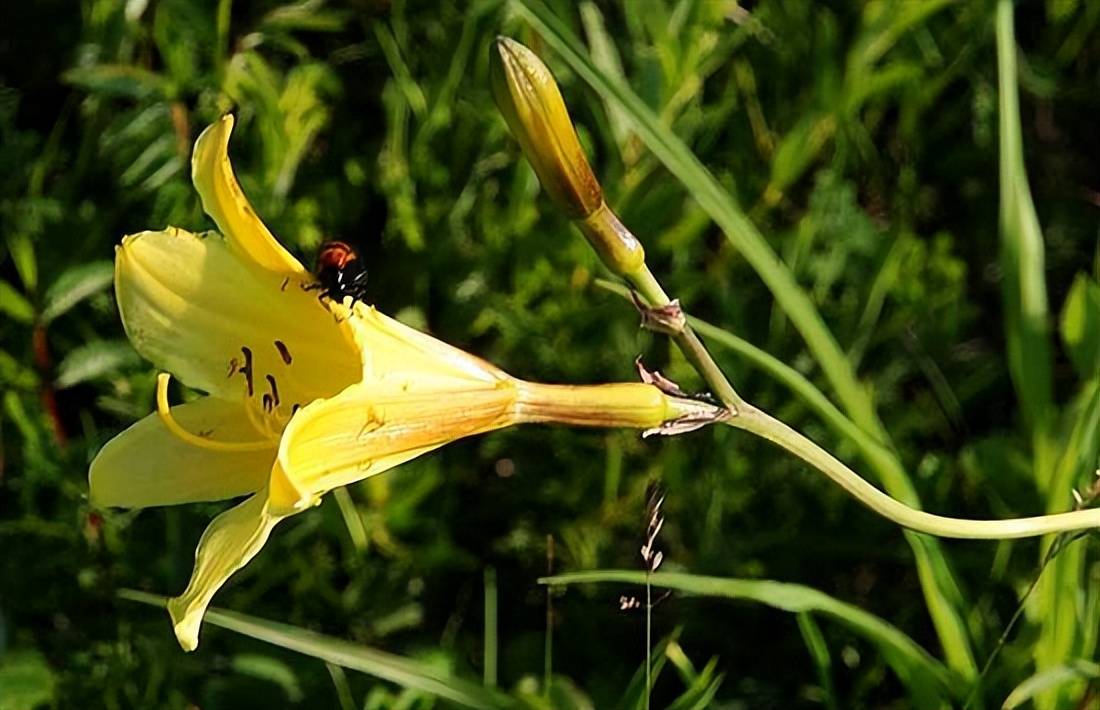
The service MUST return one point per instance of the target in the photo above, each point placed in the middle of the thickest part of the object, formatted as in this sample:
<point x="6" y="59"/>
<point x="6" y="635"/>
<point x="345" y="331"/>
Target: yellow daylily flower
<point x="298" y="401"/>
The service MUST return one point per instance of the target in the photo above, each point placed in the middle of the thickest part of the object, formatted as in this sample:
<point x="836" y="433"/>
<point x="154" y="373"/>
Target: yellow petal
<point x="392" y="350"/>
<point x="376" y="425"/>
<point x="417" y="393"/>
<point x="192" y="307"/>
<point x="231" y="540"/>
<point x="224" y="201"/>
<point x="146" y="465"/>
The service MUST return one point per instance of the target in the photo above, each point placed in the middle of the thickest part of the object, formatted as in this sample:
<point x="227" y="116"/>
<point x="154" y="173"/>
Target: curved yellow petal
<point x="392" y="350"/>
<point x="146" y="465"/>
<point x="191" y="307"/>
<point x="231" y="540"/>
<point x="376" y="425"/>
<point x="224" y="201"/>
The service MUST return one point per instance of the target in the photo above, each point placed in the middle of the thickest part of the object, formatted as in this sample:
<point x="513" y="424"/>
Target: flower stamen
<point x="164" y="411"/>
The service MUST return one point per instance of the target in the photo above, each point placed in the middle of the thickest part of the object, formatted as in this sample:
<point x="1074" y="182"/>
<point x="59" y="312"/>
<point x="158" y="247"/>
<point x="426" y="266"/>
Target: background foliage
<point x="865" y="143"/>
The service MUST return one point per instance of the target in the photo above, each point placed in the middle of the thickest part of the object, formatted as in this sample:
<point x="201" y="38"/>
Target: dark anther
<point x="247" y="369"/>
<point x="274" y="389"/>
<point x="234" y="363"/>
<point x="268" y="402"/>
<point x="294" y="409"/>
<point x="284" y="353"/>
<point x="286" y="282"/>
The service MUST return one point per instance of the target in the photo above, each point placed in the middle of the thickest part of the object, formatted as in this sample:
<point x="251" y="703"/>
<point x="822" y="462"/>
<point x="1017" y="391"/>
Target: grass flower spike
<point x="298" y="402"/>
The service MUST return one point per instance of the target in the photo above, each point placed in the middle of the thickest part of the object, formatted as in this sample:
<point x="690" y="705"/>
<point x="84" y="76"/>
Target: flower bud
<point x="528" y="97"/>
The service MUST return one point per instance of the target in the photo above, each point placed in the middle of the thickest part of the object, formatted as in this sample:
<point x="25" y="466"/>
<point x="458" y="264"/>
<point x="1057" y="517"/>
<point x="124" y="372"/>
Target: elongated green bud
<point x="528" y="97"/>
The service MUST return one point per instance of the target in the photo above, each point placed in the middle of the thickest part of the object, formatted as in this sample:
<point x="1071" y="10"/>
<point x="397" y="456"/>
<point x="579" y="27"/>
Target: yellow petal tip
<point x="185" y="624"/>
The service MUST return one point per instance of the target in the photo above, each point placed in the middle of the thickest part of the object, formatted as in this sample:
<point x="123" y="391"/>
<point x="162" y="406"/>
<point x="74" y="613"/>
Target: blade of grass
<point x="340" y="683"/>
<point x="819" y="652"/>
<point x="357" y="532"/>
<point x="634" y="697"/>
<point x="1029" y="357"/>
<point x="490" y="631"/>
<point x="942" y="595"/>
<point x="1022" y="253"/>
<point x="405" y="672"/>
<point x="929" y="681"/>
<point x="1050" y="679"/>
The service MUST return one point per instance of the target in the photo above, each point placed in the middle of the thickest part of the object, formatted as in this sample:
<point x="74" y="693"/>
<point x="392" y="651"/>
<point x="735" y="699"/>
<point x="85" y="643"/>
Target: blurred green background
<point x="863" y="140"/>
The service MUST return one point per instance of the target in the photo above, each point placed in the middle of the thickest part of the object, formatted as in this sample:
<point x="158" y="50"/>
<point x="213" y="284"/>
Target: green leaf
<point x="1050" y="679"/>
<point x="929" y="683"/>
<point x="797" y="149"/>
<point x="26" y="681"/>
<point x="94" y="360"/>
<point x="405" y="672"/>
<point x="702" y="689"/>
<point x="14" y="374"/>
<point x="1081" y="325"/>
<point x="304" y="16"/>
<point x="14" y="304"/>
<point x="562" y="694"/>
<point x="75" y="285"/>
<point x="634" y="697"/>
<point x="1022" y="251"/>
<point x="21" y="248"/>
<point x="120" y="80"/>
<point x="819" y="652"/>
<point x="29" y="428"/>
<point x="269" y="669"/>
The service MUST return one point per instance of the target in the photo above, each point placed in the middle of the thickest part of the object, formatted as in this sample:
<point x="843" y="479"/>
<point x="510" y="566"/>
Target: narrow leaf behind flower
<point x="1022" y="251"/>
<point x="929" y="683"/>
<point x="76" y="284"/>
<point x="405" y="672"/>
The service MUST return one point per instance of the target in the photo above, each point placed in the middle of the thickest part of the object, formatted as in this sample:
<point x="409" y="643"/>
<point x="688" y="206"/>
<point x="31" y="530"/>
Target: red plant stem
<point x="46" y="392"/>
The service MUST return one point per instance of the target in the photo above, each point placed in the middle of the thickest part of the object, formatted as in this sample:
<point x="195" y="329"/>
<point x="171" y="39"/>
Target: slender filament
<point x="164" y="411"/>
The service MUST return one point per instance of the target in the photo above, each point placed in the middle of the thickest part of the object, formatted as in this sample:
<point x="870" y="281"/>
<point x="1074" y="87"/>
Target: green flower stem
<point x="689" y="343"/>
<point x="762" y="424"/>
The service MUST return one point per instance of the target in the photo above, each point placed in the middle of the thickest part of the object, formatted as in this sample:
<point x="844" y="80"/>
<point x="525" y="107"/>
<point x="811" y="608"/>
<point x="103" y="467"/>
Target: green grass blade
<point x="405" y="672"/>
<point x="1022" y="253"/>
<point x="1050" y="679"/>
<point x="1029" y="358"/>
<point x="489" y="636"/>
<point x="929" y="682"/>
<point x="637" y="691"/>
<point x="75" y="285"/>
<point x="819" y="652"/>
<point x="15" y="305"/>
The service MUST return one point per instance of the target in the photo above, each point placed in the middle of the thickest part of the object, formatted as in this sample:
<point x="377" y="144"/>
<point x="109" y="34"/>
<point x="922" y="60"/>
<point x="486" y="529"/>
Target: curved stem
<point x="764" y="425"/>
<point x="689" y="343"/>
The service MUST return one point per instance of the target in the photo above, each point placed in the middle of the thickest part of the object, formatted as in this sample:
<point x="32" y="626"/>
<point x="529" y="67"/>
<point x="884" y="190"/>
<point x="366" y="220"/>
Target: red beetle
<point x="340" y="273"/>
